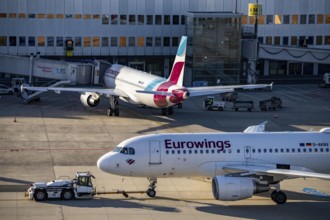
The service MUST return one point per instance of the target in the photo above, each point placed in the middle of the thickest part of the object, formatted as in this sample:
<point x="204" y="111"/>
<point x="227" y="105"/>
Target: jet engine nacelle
<point x="235" y="188"/>
<point x="90" y="99"/>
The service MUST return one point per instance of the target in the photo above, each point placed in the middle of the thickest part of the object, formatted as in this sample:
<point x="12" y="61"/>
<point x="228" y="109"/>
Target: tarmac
<point x="58" y="136"/>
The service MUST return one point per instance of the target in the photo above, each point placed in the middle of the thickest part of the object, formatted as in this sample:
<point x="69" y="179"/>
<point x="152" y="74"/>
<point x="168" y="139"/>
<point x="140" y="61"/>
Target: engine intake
<point x="236" y="188"/>
<point x="90" y="99"/>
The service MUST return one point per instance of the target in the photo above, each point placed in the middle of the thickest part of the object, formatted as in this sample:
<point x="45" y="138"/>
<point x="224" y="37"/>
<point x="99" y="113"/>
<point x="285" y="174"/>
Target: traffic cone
<point x="15" y="119"/>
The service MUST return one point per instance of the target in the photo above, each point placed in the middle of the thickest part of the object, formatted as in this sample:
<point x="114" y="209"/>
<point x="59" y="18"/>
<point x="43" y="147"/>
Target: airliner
<point x="142" y="88"/>
<point x="240" y="164"/>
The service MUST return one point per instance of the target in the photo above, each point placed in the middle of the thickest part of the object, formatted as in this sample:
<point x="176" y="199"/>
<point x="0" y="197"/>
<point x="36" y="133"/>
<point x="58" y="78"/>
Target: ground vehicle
<point x="67" y="189"/>
<point x="229" y="96"/>
<point x="211" y="104"/>
<point x="6" y="90"/>
<point x="270" y="104"/>
<point x="326" y="80"/>
<point x="243" y="104"/>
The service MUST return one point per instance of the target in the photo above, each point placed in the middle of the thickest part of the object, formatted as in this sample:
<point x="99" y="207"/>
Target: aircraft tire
<point x="116" y="111"/>
<point x="279" y="197"/>
<point x="151" y="193"/>
<point x="170" y="110"/>
<point x="110" y="112"/>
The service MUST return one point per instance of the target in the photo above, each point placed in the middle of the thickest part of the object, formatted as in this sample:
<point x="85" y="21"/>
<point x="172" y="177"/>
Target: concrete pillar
<point x="266" y="68"/>
<point x="315" y="69"/>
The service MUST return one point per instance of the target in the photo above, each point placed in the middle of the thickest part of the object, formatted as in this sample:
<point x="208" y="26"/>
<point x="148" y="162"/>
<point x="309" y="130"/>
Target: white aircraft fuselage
<point x="206" y="154"/>
<point x="128" y="81"/>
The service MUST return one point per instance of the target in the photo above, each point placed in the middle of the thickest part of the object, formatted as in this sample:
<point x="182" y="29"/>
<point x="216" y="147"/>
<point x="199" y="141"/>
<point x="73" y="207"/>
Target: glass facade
<point x="214" y="47"/>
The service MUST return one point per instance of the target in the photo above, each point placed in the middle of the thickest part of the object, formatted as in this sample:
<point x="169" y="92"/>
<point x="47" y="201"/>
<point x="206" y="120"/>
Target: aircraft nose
<point x="103" y="163"/>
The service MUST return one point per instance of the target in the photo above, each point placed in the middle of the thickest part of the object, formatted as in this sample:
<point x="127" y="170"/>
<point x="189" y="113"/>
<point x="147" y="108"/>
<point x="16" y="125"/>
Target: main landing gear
<point x="151" y="192"/>
<point x="113" y="109"/>
<point x="278" y="196"/>
<point x="167" y="111"/>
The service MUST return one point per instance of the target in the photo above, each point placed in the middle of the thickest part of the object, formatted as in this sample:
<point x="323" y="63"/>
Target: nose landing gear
<point x="151" y="192"/>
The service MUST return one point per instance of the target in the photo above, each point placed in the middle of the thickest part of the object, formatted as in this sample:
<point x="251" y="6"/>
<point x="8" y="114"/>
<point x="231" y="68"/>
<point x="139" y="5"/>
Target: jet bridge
<point x="76" y="73"/>
<point x="61" y="72"/>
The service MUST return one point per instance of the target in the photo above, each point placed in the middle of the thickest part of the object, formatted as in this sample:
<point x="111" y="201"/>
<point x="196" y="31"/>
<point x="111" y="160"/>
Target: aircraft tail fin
<point x="176" y="76"/>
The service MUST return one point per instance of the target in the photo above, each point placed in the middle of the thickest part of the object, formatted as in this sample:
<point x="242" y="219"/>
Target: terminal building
<point x="293" y="36"/>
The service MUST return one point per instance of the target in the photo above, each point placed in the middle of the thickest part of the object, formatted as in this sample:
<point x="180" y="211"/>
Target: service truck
<point x="211" y="104"/>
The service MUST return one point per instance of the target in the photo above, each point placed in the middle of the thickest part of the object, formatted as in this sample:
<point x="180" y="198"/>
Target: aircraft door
<point x="247" y="152"/>
<point x="154" y="152"/>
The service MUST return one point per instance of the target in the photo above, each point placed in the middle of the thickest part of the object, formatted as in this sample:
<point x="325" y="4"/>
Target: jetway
<point x="76" y="73"/>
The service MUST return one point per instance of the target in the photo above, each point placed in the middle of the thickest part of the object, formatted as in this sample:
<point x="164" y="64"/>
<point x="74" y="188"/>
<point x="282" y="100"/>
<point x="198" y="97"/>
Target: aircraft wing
<point x="209" y="90"/>
<point x="271" y="171"/>
<point x="100" y="91"/>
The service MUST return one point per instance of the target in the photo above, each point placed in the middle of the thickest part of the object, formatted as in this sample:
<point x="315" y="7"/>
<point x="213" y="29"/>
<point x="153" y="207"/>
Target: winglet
<point x="176" y="76"/>
<point x="256" y="128"/>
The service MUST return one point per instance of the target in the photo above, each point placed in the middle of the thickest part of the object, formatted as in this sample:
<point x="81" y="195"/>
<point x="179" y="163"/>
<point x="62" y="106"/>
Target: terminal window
<point x="114" y="42"/>
<point x="140" y="41"/>
<point x="50" y="41"/>
<point x="22" y="41"/>
<point x="12" y="15"/>
<point x="158" y="41"/>
<point x="286" y="19"/>
<point x="77" y="42"/>
<point x="303" y="19"/>
<point x="149" y="41"/>
<point x="320" y="19"/>
<point x="131" y="41"/>
<point x="122" y="42"/>
<point x="59" y="42"/>
<point x="12" y="41"/>
<point x="311" y="19"/>
<point x="114" y="19"/>
<point x="167" y="19"/>
<point x="166" y="41"/>
<point x="131" y="19"/>
<point x="269" y="19"/>
<point x="294" y="40"/>
<point x="87" y="41"/>
<point x="105" y="41"/>
<point x="150" y="20"/>
<point x="3" y="41"/>
<point x="294" y="19"/>
<point x="261" y="19"/>
<point x="96" y="41"/>
<point x="41" y="41"/>
<point x="176" y="19"/>
<point x="32" y="42"/>
<point x="319" y="40"/>
<point x="140" y="19"/>
<point x="123" y="19"/>
<point x="158" y="20"/>
<point x="105" y="19"/>
<point x="327" y="19"/>
<point x="278" y="19"/>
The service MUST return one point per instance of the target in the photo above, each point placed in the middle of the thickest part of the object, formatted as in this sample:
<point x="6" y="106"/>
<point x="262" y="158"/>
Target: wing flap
<point x="271" y="170"/>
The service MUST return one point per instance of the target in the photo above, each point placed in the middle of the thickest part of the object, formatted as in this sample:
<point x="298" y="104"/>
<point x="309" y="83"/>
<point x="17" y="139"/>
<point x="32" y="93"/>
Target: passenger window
<point x="265" y="150"/>
<point x="293" y="150"/>
<point x="304" y="150"/>
<point x="219" y="151"/>
<point x="173" y="151"/>
<point x="206" y="151"/>
<point x="327" y="149"/>
<point x="184" y="151"/>
<point x="167" y="152"/>
<point x="298" y="150"/>
<point x="315" y="150"/>
<point x="213" y="151"/>
<point x="253" y="150"/>
<point x="224" y="151"/>
<point x="282" y="150"/>
<point x="270" y="150"/>
<point x="321" y="149"/>
<point x="201" y="151"/>
<point x="238" y="151"/>
<point x="196" y="151"/>
<point x="276" y="150"/>
<point x="229" y="151"/>
<point x="259" y="150"/>
<point x="310" y="150"/>
<point x="190" y="151"/>
<point x="178" y="151"/>
<point x="288" y="150"/>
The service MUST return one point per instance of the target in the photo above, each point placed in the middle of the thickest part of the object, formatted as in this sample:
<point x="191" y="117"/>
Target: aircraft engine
<point x="90" y="99"/>
<point x="236" y="188"/>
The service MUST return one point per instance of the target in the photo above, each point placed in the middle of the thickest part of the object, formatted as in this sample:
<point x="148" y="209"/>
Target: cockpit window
<point x="127" y="150"/>
<point x="117" y="149"/>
